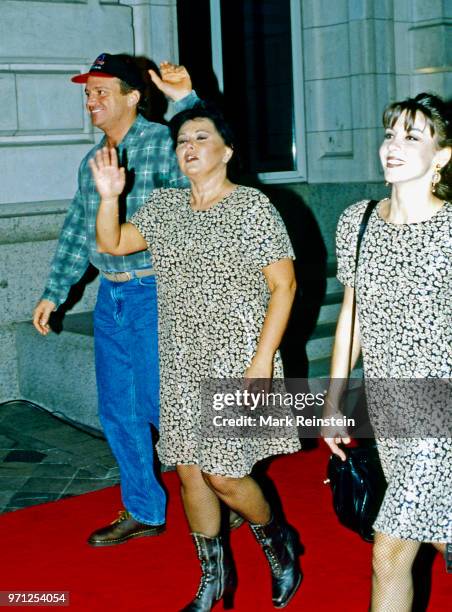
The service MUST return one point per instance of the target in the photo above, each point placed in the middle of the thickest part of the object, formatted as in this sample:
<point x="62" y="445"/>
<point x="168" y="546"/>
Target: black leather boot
<point x="218" y="579"/>
<point x="281" y="547"/>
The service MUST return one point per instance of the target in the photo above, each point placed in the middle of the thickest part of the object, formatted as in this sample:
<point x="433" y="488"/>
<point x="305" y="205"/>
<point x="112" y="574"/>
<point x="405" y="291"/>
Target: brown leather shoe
<point x="122" y="529"/>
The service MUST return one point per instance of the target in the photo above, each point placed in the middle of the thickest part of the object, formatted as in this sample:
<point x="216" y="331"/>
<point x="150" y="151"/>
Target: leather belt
<point x="123" y="277"/>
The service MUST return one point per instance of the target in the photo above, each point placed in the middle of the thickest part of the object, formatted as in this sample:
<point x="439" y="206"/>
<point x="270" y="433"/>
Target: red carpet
<point x="43" y="548"/>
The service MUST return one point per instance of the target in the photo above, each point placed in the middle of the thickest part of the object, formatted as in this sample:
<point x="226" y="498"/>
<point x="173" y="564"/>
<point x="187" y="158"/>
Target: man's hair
<point x="152" y="104"/>
<point x="125" y="88"/>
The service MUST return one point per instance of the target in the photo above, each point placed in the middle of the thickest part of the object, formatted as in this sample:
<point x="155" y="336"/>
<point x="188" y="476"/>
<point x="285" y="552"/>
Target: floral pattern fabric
<point x="404" y="302"/>
<point x="212" y="298"/>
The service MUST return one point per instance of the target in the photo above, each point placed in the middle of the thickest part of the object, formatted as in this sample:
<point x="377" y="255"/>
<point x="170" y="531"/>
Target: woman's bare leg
<point x="243" y="495"/>
<point x="201" y="505"/>
<point x="392" y="583"/>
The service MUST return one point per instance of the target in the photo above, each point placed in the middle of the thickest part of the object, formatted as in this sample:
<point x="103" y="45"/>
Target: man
<point x="125" y="317"/>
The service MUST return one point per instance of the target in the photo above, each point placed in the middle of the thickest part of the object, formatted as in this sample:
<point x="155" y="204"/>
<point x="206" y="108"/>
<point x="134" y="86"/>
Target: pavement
<point x="43" y="458"/>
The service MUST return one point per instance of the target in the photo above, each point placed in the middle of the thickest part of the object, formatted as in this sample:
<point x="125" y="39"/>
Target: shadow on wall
<point x="153" y="103"/>
<point x="304" y="232"/>
<point x="56" y="320"/>
<point x="310" y="271"/>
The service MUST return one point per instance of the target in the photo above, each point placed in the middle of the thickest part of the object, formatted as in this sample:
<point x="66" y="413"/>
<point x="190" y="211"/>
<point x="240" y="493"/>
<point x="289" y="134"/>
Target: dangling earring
<point x="436" y="177"/>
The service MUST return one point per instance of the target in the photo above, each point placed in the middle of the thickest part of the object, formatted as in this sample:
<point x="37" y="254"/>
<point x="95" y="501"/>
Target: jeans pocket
<point x="147" y="281"/>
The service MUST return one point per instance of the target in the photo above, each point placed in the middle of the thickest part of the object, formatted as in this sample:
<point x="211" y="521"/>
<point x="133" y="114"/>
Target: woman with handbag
<point x="225" y="279"/>
<point x="402" y="287"/>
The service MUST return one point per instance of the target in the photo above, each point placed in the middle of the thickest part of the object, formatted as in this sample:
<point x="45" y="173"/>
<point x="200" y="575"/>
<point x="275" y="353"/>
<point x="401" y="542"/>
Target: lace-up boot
<point x="281" y="547"/>
<point x="218" y="579"/>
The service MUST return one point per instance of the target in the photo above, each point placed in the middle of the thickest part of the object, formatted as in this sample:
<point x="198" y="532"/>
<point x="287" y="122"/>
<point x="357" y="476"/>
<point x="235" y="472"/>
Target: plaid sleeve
<point x="187" y="102"/>
<point x="71" y="256"/>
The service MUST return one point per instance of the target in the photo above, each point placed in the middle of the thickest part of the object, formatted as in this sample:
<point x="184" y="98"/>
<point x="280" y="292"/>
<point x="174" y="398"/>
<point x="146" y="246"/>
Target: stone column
<point x="431" y="45"/>
<point x="155" y="28"/>
<point x="349" y="77"/>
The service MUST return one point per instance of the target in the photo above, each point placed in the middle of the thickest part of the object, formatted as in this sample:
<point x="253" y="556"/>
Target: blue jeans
<point x="127" y="372"/>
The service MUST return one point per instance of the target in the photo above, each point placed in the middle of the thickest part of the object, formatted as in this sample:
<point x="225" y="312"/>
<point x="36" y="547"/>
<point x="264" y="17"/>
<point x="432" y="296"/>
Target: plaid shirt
<point x="147" y="153"/>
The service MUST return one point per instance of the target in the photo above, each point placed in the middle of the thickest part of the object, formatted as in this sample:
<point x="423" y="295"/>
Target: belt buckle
<point x="129" y="276"/>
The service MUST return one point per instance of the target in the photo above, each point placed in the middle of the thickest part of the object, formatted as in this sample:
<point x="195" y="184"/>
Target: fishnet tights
<point x="392" y="582"/>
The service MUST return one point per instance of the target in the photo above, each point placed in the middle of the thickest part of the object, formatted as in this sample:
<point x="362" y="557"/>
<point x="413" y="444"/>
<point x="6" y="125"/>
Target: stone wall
<point x="44" y="132"/>
<point x="358" y="56"/>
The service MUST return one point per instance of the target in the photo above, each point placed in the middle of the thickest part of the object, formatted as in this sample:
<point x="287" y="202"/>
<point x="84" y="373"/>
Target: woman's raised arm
<point x="112" y="237"/>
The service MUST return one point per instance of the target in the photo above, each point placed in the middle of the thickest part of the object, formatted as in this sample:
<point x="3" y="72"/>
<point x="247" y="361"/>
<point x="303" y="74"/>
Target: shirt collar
<point x="134" y="132"/>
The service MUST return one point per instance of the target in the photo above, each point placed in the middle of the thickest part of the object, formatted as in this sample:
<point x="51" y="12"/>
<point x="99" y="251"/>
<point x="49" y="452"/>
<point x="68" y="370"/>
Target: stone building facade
<point x="357" y="55"/>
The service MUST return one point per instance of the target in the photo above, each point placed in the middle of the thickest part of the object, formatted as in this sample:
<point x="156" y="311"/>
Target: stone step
<point x="334" y="297"/>
<point x="333" y="285"/>
<point x="324" y="330"/>
<point x="57" y="371"/>
<point x="319" y="368"/>
<point x="321" y="341"/>
<point x="331" y="307"/>
<point x="319" y="348"/>
<point x="329" y="313"/>
<point x="79" y="323"/>
<point x="331" y="267"/>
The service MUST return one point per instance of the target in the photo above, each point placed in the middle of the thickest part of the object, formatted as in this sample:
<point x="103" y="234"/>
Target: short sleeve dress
<point x="404" y="302"/>
<point x="212" y="300"/>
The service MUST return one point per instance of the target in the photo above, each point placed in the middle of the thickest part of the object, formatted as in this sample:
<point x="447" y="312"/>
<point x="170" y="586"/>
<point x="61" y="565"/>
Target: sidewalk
<point x="44" y="459"/>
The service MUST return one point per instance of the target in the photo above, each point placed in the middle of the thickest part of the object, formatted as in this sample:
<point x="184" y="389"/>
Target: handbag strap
<point x="362" y="229"/>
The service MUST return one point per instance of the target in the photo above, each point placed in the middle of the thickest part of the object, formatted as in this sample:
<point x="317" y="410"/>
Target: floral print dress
<point x="212" y="299"/>
<point x="404" y="303"/>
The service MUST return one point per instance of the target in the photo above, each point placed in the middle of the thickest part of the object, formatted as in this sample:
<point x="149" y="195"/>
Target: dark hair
<point x="125" y="88"/>
<point x="437" y="114"/>
<point x="202" y="110"/>
<point x="152" y="103"/>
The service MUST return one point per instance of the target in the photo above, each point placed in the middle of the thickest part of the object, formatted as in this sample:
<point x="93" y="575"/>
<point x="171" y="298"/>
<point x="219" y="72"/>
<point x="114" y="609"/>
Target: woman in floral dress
<point x="225" y="288"/>
<point x="403" y="290"/>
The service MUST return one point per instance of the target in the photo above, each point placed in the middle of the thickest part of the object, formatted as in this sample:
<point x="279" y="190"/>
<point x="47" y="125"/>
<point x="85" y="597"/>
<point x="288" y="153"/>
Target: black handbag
<point x="358" y="483"/>
<point x="358" y="486"/>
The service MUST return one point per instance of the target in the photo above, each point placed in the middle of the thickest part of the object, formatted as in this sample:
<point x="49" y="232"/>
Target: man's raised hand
<point x="175" y="82"/>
